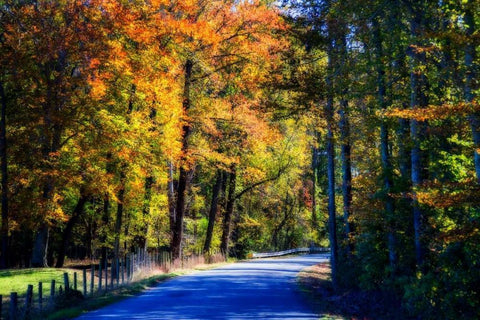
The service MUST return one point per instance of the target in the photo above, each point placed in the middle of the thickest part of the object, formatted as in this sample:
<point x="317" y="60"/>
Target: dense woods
<point x="236" y="126"/>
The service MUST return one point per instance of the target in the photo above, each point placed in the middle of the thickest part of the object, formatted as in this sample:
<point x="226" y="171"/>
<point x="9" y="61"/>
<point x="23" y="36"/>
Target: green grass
<point x="18" y="280"/>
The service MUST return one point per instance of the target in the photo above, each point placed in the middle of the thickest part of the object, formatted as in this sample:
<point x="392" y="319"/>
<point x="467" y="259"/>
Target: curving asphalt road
<point x="259" y="289"/>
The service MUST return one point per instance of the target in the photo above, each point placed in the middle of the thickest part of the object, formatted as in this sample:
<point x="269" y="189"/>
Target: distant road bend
<point x="259" y="289"/>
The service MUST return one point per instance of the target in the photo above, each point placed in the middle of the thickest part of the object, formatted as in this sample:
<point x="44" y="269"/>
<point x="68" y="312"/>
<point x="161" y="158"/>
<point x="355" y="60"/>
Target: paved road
<point x="260" y="289"/>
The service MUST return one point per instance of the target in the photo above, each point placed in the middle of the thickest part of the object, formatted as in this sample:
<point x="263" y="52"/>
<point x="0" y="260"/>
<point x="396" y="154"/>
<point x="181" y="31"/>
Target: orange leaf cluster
<point x="435" y="112"/>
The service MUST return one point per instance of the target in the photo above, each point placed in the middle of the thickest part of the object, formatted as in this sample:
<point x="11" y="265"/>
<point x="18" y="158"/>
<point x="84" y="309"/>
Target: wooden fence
<point x="96" y="280"/>
<point x="310" y="250"/>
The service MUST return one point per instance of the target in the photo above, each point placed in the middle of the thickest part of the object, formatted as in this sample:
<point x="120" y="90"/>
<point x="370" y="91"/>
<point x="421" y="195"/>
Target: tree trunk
<point x="213" y="211"/>
<point x="346" y="169"/>
<point x="149" y="181"/>
<point x="183" y="180"/>
<point x="119" y="215"/>
<point x="171" y="199"/>
<point x="227" y="219"/>
<point x="106" y="214"/>
<point x="419" y="89"/>
<point x="389" y="204"/>
<point x="314" y="188"/>
<point x="470" y="58"/>
<point x="40" y="247"/>
<point x="4" y="183"/>
<point x="332" y="222"/>
<point x="67" y="232"/>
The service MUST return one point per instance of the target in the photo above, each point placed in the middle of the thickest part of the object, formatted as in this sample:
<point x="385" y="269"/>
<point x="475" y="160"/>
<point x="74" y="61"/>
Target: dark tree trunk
<point x="314" y="188"/>
<point x="419" y="99"/>
<point x="171" y="199"/>
<point x="227" y="219"/>
<point x="4" y="171"/>
<point x="149" y="181"/>
<point x="184" y="175"/>
<point x="119" y="215"/>
<point x="470" y="78"/>
<point x="106" y="214"/>
<point x="332" y="222"/>
<point x="346" y="168"/>
<point x="213" y="211"/>
<point x="389" y="204"/>
<point x="40" y="247"/>
<point x="67" y="232"/>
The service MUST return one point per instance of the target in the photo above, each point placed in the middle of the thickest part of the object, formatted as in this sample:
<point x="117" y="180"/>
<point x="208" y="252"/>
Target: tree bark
<point x="470" y="78"/>
<point x="332" y="222"/>
<point x="227" y="219"/>
<point x="4" y="171"/>
<point x="314" y="188"/>
<point x="213" y="211"/>
<point x="419" y="99"/>
<point x="346" y="168"/>
<point x="119" y="214"/>
<point x="171" y="199"/>
<point x="184" y="174"/>
<point x="147" y="199"/>
<point x="67" y="232"/>
<point x="106" y="213"/>
<point x="389" y="204"/>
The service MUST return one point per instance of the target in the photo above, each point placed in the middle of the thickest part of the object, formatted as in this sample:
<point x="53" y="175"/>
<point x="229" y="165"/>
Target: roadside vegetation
<point x="349" y="302"/>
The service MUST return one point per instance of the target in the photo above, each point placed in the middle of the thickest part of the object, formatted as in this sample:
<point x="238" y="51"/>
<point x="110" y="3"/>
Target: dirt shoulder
<point x="346" y="304"/>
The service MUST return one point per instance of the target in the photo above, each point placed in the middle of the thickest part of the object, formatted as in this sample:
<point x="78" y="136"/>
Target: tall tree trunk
<point x="470" y="78"/>
<point x="389" y="204"/>
<point x="51" y="136"/>
<point x="314" y="188"/>
<point x="171" y="199"/>
<point x="106" y="213"/>
<point x="67" y="232"/>
<point x="346" y="169"/>
<point x="227" y="219"/>
<point x="4" y="183"/>
<point x="147" y="199"/>
<point x="119" y="214"/>
<point x="213" y="211"/>
<point x="419" y="89"/>
<point x="183" y="179"/>
<point x="332" y="218"/>
<point x="40" y="247"/>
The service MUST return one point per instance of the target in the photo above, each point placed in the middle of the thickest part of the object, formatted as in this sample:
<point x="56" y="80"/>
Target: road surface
<point x="259" y="289"/>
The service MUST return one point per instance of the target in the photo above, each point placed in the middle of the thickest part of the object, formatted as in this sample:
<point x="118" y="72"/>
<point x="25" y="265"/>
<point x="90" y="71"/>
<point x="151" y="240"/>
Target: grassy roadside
<point x="316" y="285"/>
<point x="75" y="304"/>
<point x="18" y="280"/>
<point x="120" y="293"/>
<point x="99" y="301"/>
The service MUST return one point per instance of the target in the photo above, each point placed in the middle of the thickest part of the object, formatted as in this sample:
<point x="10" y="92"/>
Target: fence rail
<point x="290" y="251"/>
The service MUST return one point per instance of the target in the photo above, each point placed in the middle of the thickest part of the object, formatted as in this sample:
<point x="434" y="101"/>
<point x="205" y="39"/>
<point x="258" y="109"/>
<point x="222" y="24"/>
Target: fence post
<point x="40" y="296"/>
<point x="13" y="306"/>
<point x="28" y="301"/>
<point x="75" y="281"/>
<point x="84" y="282"/>
<point x="92" y="279"/>
<point x="52" y="292"/>
<point x="66" y="282"/>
